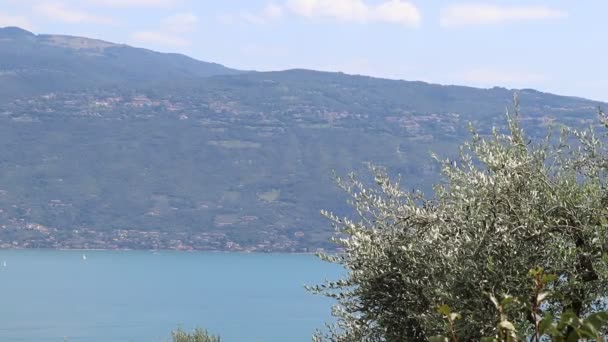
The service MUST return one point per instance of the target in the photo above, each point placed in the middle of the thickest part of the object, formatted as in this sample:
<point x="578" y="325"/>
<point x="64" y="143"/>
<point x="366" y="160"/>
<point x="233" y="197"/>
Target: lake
<point x="142" y="296"/>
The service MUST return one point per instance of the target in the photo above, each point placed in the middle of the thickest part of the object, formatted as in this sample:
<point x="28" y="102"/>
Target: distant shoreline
<point x="156" y="250"/>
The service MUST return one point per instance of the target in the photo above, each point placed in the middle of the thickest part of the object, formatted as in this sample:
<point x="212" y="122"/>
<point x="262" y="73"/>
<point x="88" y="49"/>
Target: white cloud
<point x="134" y="3"/>
<point x="181" y="22"/>
<point x="391" y="11"/>
<point x="60" y="12"/>
<point x="171" y="31"/>
<point x="481" y="14"/>
<point x="271" y="12"/>
<point x="341" y="9"/>
<point x="159" y="38"/>
<point x="397" y="12"/>
<point x="19" y="21"/>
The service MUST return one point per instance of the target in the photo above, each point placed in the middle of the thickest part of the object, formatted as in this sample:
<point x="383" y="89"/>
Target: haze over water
<point x="141" y="296"/>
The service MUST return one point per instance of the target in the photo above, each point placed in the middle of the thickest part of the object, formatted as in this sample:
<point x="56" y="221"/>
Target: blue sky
<point x="556" y="46"/>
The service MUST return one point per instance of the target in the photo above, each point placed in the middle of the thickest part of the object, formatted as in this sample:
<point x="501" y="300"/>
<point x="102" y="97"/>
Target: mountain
<point x="99" y="152"/>
<point x="36" y="64"/>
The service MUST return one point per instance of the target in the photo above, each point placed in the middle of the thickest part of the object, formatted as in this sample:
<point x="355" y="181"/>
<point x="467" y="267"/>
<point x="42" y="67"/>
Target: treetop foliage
<point x="505" y="206"/>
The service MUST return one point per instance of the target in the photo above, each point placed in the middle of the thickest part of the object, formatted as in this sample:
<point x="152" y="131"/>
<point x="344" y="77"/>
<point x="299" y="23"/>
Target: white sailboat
<point x="4" y="264"/>
<point x="84" y="257"/>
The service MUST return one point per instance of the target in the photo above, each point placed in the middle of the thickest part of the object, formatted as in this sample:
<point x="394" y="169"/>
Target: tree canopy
<point x="505" y="206"/>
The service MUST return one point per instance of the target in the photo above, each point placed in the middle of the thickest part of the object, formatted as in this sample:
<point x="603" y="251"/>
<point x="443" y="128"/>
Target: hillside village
<point x="211" y="167"/>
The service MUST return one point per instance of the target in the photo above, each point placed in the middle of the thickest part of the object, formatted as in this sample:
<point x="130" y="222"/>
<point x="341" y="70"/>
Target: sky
<point x="557" y="46"/>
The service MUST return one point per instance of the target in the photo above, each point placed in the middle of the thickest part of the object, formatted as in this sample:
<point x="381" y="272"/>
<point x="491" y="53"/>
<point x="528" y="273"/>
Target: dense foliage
<point x="505" y="206"/>
<point x="198" y="335"/>
<point x="540" y="325"/>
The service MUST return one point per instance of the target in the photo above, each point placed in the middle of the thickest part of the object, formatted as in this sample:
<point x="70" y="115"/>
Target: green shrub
<point x="198" y="335"/>
<point x="545" y="327"/>
<point x="505" y="206"/>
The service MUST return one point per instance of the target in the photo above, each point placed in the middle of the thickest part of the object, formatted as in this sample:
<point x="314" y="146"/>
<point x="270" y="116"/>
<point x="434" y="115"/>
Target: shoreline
<point x="157" y="251"/>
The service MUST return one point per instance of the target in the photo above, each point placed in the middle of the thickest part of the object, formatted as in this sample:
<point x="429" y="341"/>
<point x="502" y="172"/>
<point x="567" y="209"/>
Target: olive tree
<point x="504" y="206"/>
<point x="198" y="335"/>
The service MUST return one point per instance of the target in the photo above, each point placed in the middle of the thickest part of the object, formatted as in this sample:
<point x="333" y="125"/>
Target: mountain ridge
<point x="223" y="70"/>
<point x="36" y="64"/>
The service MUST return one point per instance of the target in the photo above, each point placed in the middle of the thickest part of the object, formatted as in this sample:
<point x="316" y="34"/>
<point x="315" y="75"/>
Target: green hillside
<point x="108" y="146"/>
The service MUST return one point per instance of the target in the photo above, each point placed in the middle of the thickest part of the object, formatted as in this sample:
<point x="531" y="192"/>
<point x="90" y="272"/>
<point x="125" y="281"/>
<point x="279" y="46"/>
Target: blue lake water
<point x="142" y="296"/>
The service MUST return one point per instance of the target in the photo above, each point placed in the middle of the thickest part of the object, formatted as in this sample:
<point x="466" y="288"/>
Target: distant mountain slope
<point x="108" y="146"/>
<point x="33" y="64"/>
<point x="381" y="97"/>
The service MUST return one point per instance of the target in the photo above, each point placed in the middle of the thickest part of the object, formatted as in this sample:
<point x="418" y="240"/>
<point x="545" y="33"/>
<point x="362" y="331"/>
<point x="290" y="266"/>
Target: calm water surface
<point x="142" y="296"/>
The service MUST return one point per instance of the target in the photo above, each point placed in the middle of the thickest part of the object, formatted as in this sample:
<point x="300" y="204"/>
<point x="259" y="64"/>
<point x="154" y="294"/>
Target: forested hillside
<point x="109" y="146"/>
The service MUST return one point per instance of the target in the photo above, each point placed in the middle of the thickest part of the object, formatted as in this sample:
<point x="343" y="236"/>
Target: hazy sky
<point x="558" y="46"/>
